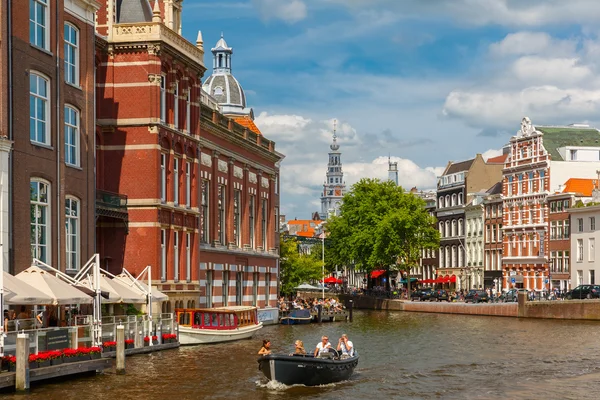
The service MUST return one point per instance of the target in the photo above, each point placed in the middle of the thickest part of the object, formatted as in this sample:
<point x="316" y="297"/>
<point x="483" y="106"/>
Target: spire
<point x="334" y="146"/>
<point x="200" y="41"/>
<point x="156" y="12"/>
<point x="222" y="56"/>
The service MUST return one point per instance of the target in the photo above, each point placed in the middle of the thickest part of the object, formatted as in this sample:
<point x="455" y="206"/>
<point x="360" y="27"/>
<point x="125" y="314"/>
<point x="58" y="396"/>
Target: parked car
<point x="584" y="292"/>
<point x="511" y="296"/>
<point x="421" y="294"/>
<point x="441" y="295"/>
<point x="476" y="296"/>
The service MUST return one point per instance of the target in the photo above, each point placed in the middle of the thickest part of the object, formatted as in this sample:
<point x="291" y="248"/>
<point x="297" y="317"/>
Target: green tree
<point x="297" y="268"/>
<point x="381" y="227"/>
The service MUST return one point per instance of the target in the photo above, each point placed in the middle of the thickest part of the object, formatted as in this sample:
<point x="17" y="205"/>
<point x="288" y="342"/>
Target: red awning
<point x="332" y="279"/>
<point x="453" y="279"/>
<point x="377" y="273"/>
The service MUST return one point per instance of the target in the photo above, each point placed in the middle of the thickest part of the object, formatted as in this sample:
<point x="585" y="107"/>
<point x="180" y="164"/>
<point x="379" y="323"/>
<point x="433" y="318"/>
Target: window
<point x="204" y="212"/>
<point x="225" y="288"/>
<point x="72" y="233"/>
<point x="567" y="230"/>
<point x="553" y="230"/>
<point x="573" y="154"/>
<point x="264" y="222"/>
<point x="188" y="111"/>
<point x="541" y="188"/>
<point x="188" y="184"/>
<point x="593" y="223"/>
<point x="460" y="198"/>
<point x="40" y="220"/>
<point x="255" y="289"/>
<point x="39" y="34"/>
<point x="441" y="202"/>
<point x="267" y="288"/>
<point x="453" y="227"/>
<point x="251" y="210"/>
<point x="591" y="249"/>
<point x="163" y="177"/>
<point x="453" y="200"/>
<point x="520" y="186"/>
<point x="579" y="249"/>
<point x="460" y="227"/>
<point x="176" y="181"/>
<point x="580" y="224"/>
<point x="509" y="186"/>
<point x="163" y="98"/>
<point x="221" y="227"/>
<point x="176" y="106"/>
<point x="39" y="109"/>
<point x="276" y="224"/>
<point x="71" y="55"/>
<point x="447" y="233"/>
<point x="163" y="255"/>
<point x="237" y="229"/>
<point x="579" y="277"/>
<point x="276" y="184"/>
<point x="592" y="277"/>
<point x="176" y="256"/>
<point x="566" y="262"/>
<point x="209" y="288"/>
<point x="71" y="136"/>
<point x="188" y="257"/>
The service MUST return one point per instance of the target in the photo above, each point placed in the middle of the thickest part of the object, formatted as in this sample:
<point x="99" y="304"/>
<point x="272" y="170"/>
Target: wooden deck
<point x="330" y="316"/>
<point x="7" y="379"/>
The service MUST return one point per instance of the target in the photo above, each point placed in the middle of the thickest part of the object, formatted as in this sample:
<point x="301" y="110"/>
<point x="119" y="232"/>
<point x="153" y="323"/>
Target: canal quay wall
<point x="554" y="309"/>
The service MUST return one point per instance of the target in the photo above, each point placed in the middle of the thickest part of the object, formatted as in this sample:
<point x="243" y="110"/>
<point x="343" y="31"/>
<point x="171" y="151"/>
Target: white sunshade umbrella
<point x="126" y="280"/>
<point x="58" y="290"/>
<point x="18" y="292"/>
<point x="306" y="286"/>
<point x="118" y="293"/>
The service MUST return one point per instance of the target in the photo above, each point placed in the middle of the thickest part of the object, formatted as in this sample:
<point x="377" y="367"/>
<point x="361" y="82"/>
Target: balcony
<point x="111" y="205"/>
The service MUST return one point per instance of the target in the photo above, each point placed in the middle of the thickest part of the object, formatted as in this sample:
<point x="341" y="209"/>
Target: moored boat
<point x="306" y="369"/>
<point x="216" y="325"/>
<point x="297" y="317"/>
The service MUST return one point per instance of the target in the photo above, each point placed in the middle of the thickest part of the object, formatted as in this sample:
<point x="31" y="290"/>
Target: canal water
<point x="402" y="356"/>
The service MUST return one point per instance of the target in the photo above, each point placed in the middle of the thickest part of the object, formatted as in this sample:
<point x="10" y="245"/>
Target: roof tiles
<point x="580" y="186"/>
<point x="247" y="122"/>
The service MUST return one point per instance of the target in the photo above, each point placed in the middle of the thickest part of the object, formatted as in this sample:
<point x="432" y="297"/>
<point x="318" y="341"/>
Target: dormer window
<point x="218" y="91"/>
<point x="573" y="155"/>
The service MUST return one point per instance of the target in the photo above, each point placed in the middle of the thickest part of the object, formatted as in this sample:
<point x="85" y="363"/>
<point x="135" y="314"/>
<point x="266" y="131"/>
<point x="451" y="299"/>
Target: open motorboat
<point x="307" y="369"/>
<point x="297" y="317"/>
<point x="216" y="325"/>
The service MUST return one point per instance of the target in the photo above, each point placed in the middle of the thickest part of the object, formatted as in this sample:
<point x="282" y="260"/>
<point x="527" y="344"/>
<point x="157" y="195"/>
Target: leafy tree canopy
<point x="297" y="268"/>
<point x="381" y="227"/>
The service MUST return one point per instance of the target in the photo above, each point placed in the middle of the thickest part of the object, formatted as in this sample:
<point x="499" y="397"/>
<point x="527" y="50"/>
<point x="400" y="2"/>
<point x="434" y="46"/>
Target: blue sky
<point x="422" y="81"/>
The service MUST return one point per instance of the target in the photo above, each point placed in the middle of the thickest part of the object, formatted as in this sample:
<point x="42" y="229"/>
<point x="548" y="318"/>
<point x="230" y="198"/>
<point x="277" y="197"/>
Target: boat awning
<point x="377" y="273"/>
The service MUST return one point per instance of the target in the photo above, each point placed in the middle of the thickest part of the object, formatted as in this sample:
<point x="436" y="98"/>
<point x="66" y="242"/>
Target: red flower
<point x="84" y="350"/>
<point x="109" y="344"/>
<point x="69" y="352"/>
<point x="33" y="357"/>
<point x="129" y="341"/>
<point x="12" y="359"/>
<point x="154" y="337"/>
<point x="147" y="339"/>
<point x="53" y="354"/>
<point x="95" y="350"/>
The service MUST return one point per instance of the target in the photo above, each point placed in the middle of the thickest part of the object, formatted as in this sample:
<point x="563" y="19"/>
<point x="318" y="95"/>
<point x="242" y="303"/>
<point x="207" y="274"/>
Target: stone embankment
<point x="556" y="309"/>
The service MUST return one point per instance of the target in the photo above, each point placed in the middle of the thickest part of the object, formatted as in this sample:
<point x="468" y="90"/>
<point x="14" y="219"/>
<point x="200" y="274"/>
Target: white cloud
<point x="305" y="142"/>
<point x="532" y="43"/>
<point x="290" y="11"/>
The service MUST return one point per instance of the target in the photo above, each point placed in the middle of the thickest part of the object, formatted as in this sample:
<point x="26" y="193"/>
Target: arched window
<point x="72" y="232"/>
<point x="39" y="108"/>
<point x="71" y="136"/>
<point x="454" y="256"/>
<point x="447" y="200"/>
<point x="460" y="227"/>
<point x="40" y="219"/>
<point x="447" y="233"/>
<point x="447" y="256"/>
<point x="441" y="202"/>
<point x="453" y="199"/>
<point x="460" y="199"/>
<point x="442" y="257"/>
<point x="453" y="227"/>
<point x="441" y="229"/>
<point x="71" y="54"/>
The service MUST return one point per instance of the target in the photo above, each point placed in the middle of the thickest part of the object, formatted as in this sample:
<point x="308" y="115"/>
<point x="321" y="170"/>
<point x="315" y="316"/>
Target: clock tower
<point x="334" y="187"/>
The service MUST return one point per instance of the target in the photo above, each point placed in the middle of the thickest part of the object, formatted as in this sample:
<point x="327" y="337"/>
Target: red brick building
<point x="47" y="89"/>
<point x="186" y="190"/>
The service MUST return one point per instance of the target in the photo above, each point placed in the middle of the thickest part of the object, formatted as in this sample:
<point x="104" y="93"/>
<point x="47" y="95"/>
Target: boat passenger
<point x="345" y="346"/>
<point x="266" y="348"/>
<point x="299" y="348"/>
<point x="323" y="346"/>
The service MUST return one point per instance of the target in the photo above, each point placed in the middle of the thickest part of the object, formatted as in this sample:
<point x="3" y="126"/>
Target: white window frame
<point x="163" y="98"/>
<point x="188" y="257"/>
<point x="176" y="106"/>
<point x="40" y="206"/>
<point x="163" y="255"/>
<point x="188" y="184"/>
<point x="591" y="249"/>
<point x="176" y="181"/>
<point x="71" y="37"/>
<point x="71" y="131"/>
<point x="265" y="223"/>
<point x="237" y="217"/>
<point x="252" y="221"/>
<point x="579" y="250"/>
<point x="41" y="105"/>
<point x="188" y="111"/>
<point x="163" y="177"/>
<point x="176" y="256"/>
<point x="35" y="23"/>
<point x="205" y="211"/>
<point x="72" y="233"/>
<point x="222" y="198"/>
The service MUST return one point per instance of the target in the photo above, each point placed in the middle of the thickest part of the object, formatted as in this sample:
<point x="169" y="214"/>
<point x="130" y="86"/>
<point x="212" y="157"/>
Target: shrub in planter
<point x="147" y="341"/>
<point x="95" y="352"/>
<point x="84" y="353"/>
<point x="43" y="359"/>
<point x="33" y="361"/>
<point x="55" y="356"/>
<point x="70" y="355"/>
<point x="109" y="346"/>
<point x="169" y="338"/>
<point x="9" y="363"/>
<point x="129" y="343"/>
<point x="155" y="340"/>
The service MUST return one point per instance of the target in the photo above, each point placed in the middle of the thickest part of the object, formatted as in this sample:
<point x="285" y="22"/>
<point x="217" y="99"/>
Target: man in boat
<point x="345" y="346"/>
<point x="323" y="346"/>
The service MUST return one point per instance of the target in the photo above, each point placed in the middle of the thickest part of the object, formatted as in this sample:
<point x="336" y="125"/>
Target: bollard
<point x="350" y="307"/>
<point x="320" y="313"/>
<point x="22" y="368"/>
<point x="74" y="338"/>
<point x="120" y="350"/>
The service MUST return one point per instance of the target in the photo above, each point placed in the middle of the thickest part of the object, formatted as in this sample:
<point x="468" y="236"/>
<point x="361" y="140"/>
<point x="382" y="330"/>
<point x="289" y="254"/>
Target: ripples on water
<point x="402" y="356"/>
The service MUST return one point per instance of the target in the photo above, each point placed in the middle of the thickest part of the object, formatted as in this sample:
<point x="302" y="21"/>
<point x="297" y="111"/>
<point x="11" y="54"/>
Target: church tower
<point x="334" y="187"/>
<point x="392" y="171"/>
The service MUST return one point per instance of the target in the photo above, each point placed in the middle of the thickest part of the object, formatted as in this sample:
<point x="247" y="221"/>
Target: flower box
<point x="169" y="338"/>
<point x="33" y="364"/>
<point x="44" y="363"/>
<point x="9" y="363"/>
<point x="129" y="343"/>
<point x="69" y="355"/>
<point x="56" y="361"/>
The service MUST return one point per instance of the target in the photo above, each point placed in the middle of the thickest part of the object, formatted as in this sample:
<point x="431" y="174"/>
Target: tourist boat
<point x="216" y="325"/>
<point x="297" y="317"/>
<point x="306" y="370"/>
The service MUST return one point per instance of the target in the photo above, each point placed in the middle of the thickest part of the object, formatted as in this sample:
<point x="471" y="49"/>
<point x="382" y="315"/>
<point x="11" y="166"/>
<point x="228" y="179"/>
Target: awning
<point x="118" y="293"/>
<point x="58" y="290"/>
<point x="18" y="292"/>
<point x="411" y="280"/>
<point x="377" y="273"/>
<point x="332" y="279"/>
<point x="124" y="279"/>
